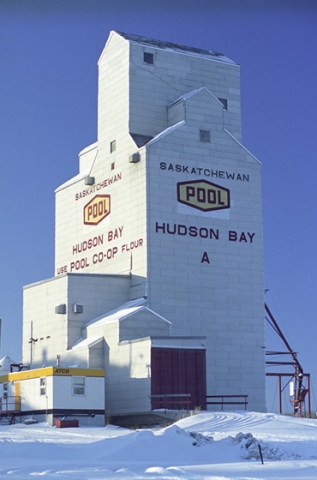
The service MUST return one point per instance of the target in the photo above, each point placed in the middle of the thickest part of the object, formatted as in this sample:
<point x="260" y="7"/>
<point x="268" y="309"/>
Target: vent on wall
<point x="204" y="135"/>
<point x="134" y="158"/>
<point x="77" y="308"/>
<point x="89" y="180"/>
<point x="60" y="309"/>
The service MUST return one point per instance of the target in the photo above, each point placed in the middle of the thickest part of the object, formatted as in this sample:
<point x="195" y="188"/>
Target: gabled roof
<point x="126" y="309"/>
<point x="242" y="146"/>
<point x="139" y="139"/>
<point x="5" y="364"/>
<point x="122" y="312"/>
<point x="167" y="131"/>
<point x="151" y="42"/>
<point x="86" y="343"/>
<point x="77" y="178"/>
<point x="190" y="94"/>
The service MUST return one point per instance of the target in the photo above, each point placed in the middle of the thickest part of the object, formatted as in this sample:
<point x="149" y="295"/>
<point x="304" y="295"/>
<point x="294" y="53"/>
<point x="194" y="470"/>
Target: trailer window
<point x="43" y="386"/>
<point x="78" y="385"/>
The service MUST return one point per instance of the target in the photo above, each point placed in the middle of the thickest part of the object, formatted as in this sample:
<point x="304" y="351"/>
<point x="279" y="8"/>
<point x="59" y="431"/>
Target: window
<point x="43" y="386"/>
<point x="148" y="58"/>
<point x="224" y="102"/>
<point x="5" y="390"/>
<point x="78" y="385"/>
<point x="112" y="166"/>
<point x="113" y="146"/>
<point x="204" y="135"/>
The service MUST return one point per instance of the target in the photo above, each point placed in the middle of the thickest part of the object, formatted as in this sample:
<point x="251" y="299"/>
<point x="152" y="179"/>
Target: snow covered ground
<point x="215" y="446"/>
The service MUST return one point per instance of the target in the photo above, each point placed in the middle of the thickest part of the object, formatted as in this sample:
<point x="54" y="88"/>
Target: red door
<point x="176" y="372"/>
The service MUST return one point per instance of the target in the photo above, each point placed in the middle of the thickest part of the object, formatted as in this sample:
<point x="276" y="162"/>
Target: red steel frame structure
<point x="300" y="391"/>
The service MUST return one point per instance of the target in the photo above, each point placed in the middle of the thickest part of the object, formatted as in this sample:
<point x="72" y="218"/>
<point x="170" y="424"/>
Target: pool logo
<point x="97" y="209"/>
<point x="203" y="195"/>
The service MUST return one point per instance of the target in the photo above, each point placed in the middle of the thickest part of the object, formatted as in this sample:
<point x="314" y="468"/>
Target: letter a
<point x="205" y="258"/>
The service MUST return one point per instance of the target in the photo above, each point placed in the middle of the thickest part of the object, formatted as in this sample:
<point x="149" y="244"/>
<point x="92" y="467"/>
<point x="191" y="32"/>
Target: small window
<point x="5" y="390"/>
<point x="204" y="135"/>
<point x="113" y="146"/>
<point x="148" y="58"/>
<point x="78" y="385"/>
<point x="43" y="386"/>
<point x="224" y="102"/>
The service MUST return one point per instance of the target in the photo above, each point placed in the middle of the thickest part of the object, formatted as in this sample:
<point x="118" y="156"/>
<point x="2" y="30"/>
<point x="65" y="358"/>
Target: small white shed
<point x="50" y="393"/>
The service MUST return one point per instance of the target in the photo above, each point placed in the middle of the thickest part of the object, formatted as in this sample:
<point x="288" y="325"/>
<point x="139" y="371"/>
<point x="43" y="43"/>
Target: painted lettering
<point x="207" y="172"/>
<point x="114" y="234"/>
<point x="203" y="195"/>
<point x="61" y="371"/>
<point x="183" y="230"/>
<point x="243" y="238"/>
<point x="97" y="209"/>
<point x="97" y="258"/>
<point x="190" y="192"/>
<point x="205" y="258"/>
<point x="233" y="236"/>
<point x="62" y="270"/>
<point x="171" y="230"/>
<point x="79" y="264"/>
<point x="132" y="245"/>
<point x="101" y="256"/>
<point x="87" y="244"/>
<point x="100" y="185"/>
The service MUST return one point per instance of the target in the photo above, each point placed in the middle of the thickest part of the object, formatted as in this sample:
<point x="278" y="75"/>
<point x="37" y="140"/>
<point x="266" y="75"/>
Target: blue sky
<point x="48" y="97"/>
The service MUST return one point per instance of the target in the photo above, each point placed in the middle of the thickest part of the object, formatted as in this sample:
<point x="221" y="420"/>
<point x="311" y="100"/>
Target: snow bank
<point x="215" y="446"/>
